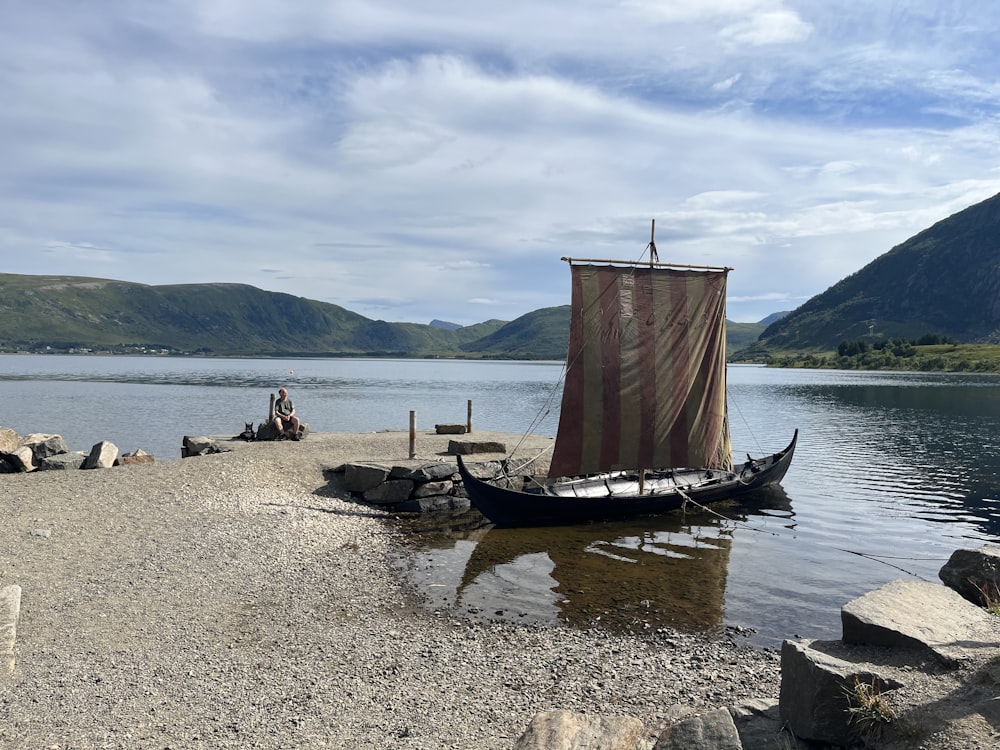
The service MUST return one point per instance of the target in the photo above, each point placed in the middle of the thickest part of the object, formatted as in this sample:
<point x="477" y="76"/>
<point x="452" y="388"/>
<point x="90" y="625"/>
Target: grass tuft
<point x="870" y="711"/>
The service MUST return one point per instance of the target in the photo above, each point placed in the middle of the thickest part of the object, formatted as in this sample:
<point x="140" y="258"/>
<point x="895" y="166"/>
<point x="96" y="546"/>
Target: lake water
<point x="893" y="472"/>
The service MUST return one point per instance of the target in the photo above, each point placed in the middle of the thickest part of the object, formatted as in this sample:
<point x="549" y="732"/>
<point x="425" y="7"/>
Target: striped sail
<point x="646" y="371"/>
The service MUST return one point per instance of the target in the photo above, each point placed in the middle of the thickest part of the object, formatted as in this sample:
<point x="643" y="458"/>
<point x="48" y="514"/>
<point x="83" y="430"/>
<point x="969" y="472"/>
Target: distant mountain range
<point x="79" y="314"/>
<point x="944" y="280"/>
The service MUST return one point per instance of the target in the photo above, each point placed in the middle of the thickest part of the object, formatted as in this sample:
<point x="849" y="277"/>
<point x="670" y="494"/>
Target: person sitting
<point x="284" y="414"/>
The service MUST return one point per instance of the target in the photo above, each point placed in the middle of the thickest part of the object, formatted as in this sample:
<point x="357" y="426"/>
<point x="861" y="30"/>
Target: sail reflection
<point x="633" y="576"/>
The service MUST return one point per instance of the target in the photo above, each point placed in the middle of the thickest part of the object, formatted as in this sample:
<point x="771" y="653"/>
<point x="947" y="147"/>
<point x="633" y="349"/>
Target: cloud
<point x="382" y="155"/>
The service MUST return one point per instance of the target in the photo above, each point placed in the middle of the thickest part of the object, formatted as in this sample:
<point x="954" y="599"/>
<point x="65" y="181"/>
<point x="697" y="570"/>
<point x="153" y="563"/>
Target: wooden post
<point x="413" y="434"/>
<point x="270" y="410"/>
<point x="468" y="419"/>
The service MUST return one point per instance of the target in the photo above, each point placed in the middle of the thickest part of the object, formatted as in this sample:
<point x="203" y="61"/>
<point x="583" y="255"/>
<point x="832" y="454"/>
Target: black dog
<point x="248" y="434"/>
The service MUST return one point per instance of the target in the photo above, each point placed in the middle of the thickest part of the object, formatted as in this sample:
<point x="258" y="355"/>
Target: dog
<point x="248" y="434"/>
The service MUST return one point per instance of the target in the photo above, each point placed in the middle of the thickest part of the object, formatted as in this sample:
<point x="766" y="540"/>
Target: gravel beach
<point x="235" y="601"/>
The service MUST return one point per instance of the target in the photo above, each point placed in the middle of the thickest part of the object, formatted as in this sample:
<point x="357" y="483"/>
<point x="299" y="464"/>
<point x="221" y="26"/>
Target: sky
<point x="435" y="160"/>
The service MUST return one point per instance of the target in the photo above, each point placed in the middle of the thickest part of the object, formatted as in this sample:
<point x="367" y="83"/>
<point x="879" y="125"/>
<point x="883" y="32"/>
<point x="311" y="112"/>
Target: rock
<point x="362" y="477"/>
<point x="566" y="730"/>
<point x="434" y="504"/>
<point x="434" y="472"/>
<point x="62" y="461"/>
<point x="44" y="445"/>
<point x="9" y="440"/>
<point x="974" y="574"/>
<point x="387" y="493"/>
<point x="22" y="459"/>
<point x="713" y="730"/>
<point x="918" y="614"/>
<point x="10" y="609"/>
<point x="433" y="488"/>
<point x="465" y="447"/>
<point x="814" y="692"/>
<point x="450" y="429"/>
<point x="201" y="446"/>
<point x="136" y="457"/>
<point x="102" y="456"/>
<point x="760" y="727"/>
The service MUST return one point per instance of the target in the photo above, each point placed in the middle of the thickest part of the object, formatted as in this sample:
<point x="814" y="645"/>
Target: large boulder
<point x="102" y="456"/>
<point x="361" y="477"/>
<point x="45" y="445"/>
<point x="566" y="730"/>
<point x="974" y="574"/>
<point x="919" y="615"/>
<point x="815" y="691"/>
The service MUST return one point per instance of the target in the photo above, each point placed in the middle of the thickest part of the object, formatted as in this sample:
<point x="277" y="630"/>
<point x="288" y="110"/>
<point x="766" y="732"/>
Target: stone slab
<point x="919" y="614"/>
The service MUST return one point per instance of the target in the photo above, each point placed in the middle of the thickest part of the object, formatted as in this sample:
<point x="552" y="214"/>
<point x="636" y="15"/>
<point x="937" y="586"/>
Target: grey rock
<point x="387" y="493"/>
<point x="45" y="445"/>
<point x="436" y="471"/>
<point x="433" y="488"/>
<point x="566" y="730"/>
<point x="814" y="692"/>
<point x="974" y="574"/>
<point x="713" y="730"/>
<point x="102" y="456"/>
<point x="62" y="461"/>
<point x="918" y="614"/>
<point x="362" y="477"/>
<point x="467" y="447"/>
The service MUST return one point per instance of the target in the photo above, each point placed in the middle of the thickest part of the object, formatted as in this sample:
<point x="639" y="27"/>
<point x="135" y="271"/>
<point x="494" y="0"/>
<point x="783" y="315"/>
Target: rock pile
<point x="40" y="452"/>
<point x="419" y="486"/>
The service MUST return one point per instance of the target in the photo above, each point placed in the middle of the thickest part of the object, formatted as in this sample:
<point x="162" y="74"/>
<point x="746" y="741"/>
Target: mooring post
<point x="413" y="434"/>
<point x="468" y="419"/>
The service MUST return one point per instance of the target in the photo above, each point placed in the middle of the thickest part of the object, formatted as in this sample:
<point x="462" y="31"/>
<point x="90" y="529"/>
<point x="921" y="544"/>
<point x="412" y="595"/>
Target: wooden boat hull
<point x="621" y="494"/>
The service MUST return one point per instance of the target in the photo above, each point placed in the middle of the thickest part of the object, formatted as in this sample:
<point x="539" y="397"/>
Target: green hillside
<point x="944" y="280"/>
<point x="69" y="313"/>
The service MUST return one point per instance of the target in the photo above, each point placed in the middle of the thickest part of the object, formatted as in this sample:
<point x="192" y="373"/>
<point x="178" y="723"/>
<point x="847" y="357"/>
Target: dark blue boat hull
<point x="508" y="507"/>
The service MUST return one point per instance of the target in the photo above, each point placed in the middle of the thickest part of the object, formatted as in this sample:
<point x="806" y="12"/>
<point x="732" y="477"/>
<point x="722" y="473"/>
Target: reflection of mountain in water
<point x="666" y="571"/>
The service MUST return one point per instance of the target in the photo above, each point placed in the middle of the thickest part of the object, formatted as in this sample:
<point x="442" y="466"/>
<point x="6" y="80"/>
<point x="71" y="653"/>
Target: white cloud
<point x="373" y="154"/>
<point x="771" y="27"/>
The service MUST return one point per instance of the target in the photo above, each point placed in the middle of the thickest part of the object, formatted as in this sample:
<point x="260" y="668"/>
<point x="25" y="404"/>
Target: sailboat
<point x="643" y="426"/>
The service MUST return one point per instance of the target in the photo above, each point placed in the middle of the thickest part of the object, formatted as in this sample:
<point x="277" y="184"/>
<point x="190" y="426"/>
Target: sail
<point x="645" y="380"/>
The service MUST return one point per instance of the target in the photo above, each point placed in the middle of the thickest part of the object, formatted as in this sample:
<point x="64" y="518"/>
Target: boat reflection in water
<point x="634" y="576"/>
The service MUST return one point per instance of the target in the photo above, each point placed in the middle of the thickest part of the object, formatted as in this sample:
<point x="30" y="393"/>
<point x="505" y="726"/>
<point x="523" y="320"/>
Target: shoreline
<point x="235" y="600"/>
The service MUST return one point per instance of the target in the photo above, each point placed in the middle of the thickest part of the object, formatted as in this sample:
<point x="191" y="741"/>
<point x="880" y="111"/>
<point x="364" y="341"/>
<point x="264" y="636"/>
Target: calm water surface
<point x="893" y="472"/>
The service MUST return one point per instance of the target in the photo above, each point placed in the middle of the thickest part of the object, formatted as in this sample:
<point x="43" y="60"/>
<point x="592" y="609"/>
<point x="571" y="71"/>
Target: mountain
<point x="72" y="313"/>
<point x="542" y="334"/>
<point x="773" y="317"/>
<point x="445" y="325"/>
<point x="944" y="280"/>
<point x="67" y="312"/>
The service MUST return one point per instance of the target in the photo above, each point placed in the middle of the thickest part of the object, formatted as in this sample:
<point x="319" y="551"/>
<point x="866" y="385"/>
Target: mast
<point x="654" y="257"/>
